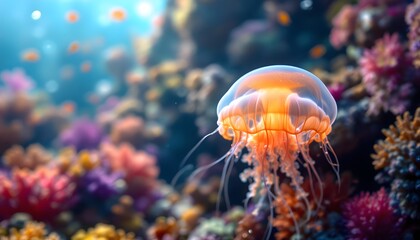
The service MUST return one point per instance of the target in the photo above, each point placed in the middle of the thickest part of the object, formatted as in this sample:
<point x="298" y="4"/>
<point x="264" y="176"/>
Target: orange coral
<point x="34" y="156"/>
<point x="333" y="196"/>
<point x="405" y="129"/>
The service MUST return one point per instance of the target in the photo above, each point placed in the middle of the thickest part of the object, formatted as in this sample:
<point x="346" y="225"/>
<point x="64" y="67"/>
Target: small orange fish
<point x="72" y="16"/>
<point x="284" y="18"/>
<point x="86" y="66"/>
<point x="74" y="47"/>
<point x="30" y="55"/>
<point x="68" y="107"/>
<point x="317" y="51"/>
<point x="117" y="14"/>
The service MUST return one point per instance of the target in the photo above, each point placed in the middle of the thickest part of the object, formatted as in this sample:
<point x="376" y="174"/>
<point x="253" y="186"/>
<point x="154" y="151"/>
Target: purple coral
<point x="83" y="134"/>
<point x="102" y="184"/>
<point x="16" y="80"/>
<point x="385" y="70"/>
<point x="371" y="216"/>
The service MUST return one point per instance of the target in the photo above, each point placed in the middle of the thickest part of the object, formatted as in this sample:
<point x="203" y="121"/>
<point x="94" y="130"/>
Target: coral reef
<point x="34" y="157"/>
<point x="31" y="230"/>
<point x="412" y="17"/>
<point x="43" y="193"/>
<point x="249" y="227"/>
<point x="397" y="159"/>
<point x="310" y="217"/>
<point x="130" y="130"/>
<point x="385" y="71"/>
<point x="103" y="231"/>
<point x="82" y="134"/>
<point x="371" y="216"/>
<point x="16" y="80"/>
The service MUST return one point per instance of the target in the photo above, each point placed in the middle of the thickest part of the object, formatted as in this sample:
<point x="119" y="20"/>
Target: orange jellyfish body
<point x="276" y="112"/>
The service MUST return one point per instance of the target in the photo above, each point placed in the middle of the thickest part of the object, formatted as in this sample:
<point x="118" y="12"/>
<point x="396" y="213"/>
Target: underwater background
<point x="103" y="102"/>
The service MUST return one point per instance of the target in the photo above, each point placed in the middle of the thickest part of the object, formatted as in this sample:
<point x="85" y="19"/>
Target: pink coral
<point x="412" y="18"/>
<point x="42" y="193"/>
<point x="343" y="26"/>
<point x="384" y="69"/>
<point x="16" y="80"/>
<point x="129" y="130"/>
<point x="139" y="168"/>
<point x="370" y="216"/>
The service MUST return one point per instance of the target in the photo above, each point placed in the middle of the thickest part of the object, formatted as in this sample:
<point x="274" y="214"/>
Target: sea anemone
<point x="83" y="134"/>
<point x="397" y="158"/>
<point x="34" y="156"/>
<point x="371" y="216"/>
<point x="103" y="232"/>
<point x="385" y="76"/>
<point x="412" y="18"/>
<point x="42" y="193"/>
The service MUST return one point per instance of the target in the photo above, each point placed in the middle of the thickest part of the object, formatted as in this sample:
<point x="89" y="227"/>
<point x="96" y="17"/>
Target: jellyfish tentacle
<point x="203" y="168"/>
<point x="196" y="146"/>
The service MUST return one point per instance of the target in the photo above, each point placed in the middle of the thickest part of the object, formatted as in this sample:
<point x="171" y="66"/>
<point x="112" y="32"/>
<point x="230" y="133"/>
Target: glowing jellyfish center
<point x="276" y="112"/>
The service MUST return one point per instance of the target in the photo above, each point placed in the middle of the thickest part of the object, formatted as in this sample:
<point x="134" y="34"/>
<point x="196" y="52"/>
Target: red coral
<point x="370" y="216"/>
<point x="42" y="193"/>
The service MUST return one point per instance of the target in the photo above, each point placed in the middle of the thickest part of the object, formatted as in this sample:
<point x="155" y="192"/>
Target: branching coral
<point x="290" y="208"/>
<point x="385" y="70"/>
<point x="412" y="18"/>
<point x="103" y="232"/>
<point x="370" y="216"/>
<point x="397" y="157"/>
<point x="43" y="193"/>
<point x="34" y="156"/>
<point x="31" y="230"/>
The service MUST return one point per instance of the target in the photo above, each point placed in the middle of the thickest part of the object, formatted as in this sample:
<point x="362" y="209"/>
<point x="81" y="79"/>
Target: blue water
<point x="50" y="33"/>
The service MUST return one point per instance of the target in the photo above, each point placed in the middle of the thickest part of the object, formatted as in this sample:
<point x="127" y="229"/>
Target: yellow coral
<point x="33" y="231"/>
<point x="103" y="232"/>
<point x="406" y="129"/>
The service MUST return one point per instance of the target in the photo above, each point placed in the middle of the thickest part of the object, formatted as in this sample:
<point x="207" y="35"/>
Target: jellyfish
<point x="275" y="113"/>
